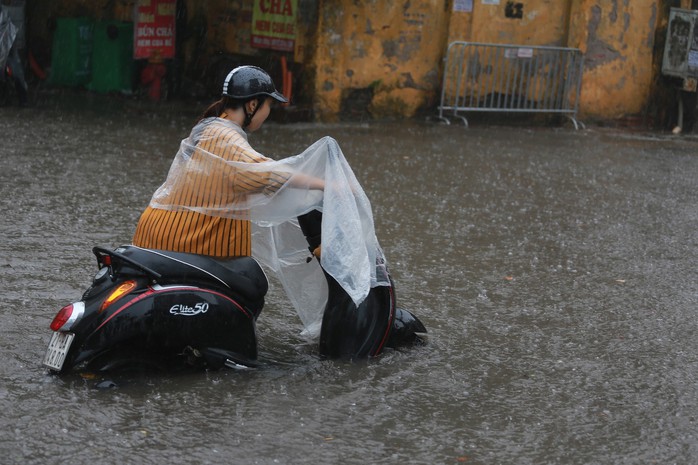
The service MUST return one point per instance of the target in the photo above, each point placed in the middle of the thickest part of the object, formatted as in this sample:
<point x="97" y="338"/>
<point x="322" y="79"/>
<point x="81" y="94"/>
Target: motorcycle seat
<point x="243" y="276"/>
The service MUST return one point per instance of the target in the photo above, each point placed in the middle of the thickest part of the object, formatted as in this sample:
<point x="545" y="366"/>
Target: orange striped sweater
<point x="218" y="184"/>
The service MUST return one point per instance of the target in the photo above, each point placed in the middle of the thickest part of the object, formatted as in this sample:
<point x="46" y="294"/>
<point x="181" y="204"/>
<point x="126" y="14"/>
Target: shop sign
<point x="154" y="31"/>
<point x="274" y="24"/>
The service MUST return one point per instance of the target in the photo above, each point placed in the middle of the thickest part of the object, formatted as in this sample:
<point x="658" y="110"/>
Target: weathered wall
<point x="384" y="59"/>
<point x="617" y="39"/>
<point x="228" y="25"/>
<point x="533" y="22"/>
<point x="382" y="56"/>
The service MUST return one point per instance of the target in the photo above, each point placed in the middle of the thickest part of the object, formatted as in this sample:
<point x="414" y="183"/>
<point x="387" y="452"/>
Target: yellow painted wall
<point x="386" y="44"/>
<point x="617" y="39"/>
<point x="393" y="48"/>
<point x="544" y="22"/>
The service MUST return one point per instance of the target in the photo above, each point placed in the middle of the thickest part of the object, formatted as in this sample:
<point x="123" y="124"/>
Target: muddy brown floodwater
<point x="556" y="271"/>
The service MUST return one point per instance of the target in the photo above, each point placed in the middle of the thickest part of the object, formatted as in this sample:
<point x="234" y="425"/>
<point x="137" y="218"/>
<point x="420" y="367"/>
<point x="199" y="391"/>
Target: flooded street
<point x="556" y="271"/>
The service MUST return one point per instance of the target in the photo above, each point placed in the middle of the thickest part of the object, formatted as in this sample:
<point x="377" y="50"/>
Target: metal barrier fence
<point x="511" y="78"/>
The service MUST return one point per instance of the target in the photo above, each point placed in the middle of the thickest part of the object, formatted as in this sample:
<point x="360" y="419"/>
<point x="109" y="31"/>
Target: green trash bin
<point x="112" y="57"/>
<point x="71" y="55"/>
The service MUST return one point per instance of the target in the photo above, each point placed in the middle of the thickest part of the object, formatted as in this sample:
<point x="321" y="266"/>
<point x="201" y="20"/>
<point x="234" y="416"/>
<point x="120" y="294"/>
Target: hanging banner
<point x="154" y="31"/>
<point x="274" y="24"/>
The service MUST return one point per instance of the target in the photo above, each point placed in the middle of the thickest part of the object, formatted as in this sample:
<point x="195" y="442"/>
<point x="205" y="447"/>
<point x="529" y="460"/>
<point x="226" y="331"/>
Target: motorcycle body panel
<point x="161" y="321"/>
<point x="195" y="318"/>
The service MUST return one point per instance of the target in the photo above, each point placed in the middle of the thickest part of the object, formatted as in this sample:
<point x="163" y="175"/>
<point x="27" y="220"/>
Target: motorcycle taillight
<point x="123" y="289"/>
<point x="62" y="317"/>
<point x="67" y="316"/>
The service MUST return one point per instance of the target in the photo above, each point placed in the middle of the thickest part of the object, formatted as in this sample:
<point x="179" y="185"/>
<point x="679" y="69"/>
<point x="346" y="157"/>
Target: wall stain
<point x="598" y="51"/>
<point x="652" y="27"/>
<point x="614" y="12"/>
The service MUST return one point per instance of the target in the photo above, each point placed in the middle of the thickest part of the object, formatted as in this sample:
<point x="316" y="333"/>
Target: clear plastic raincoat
<point x="350" y="251"/>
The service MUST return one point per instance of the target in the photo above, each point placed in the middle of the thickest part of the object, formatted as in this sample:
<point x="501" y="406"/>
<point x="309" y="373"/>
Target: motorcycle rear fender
<point x="167" y="320"/>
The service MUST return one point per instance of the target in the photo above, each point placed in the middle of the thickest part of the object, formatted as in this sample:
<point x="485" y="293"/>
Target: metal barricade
<point x="511" y="78"/>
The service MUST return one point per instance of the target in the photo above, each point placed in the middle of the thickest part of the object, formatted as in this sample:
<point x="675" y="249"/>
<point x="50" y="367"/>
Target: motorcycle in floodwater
<point x="153" y="309"/>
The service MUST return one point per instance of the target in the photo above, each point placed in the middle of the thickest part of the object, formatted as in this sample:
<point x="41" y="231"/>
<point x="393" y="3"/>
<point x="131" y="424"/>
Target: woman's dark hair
<point x="219" y="106"/>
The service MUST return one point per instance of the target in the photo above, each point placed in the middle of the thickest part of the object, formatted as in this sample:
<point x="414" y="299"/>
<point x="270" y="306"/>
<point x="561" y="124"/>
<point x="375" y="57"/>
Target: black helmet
<point x="245" y="82"/>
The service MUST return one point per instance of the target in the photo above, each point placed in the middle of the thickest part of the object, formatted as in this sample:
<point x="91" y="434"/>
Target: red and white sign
<point x="154" y="31"/>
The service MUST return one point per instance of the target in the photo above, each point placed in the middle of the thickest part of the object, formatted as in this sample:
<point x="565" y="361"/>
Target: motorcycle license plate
<point x="58" y="349"/>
